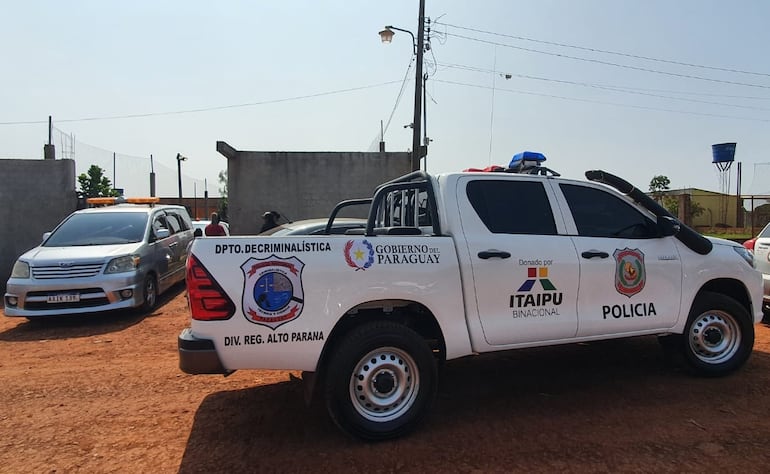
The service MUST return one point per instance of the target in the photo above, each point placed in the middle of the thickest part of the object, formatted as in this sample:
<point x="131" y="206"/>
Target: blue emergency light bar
<point x="531" y="157"/>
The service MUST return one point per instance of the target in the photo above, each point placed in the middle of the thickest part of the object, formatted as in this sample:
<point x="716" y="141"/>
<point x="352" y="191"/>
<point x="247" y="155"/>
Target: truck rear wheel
<point x="719" y="335"/>
<point x="380" y="381"/>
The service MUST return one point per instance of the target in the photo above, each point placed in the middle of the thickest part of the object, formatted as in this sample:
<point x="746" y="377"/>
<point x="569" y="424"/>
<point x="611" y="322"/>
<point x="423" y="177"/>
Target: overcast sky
<point x="314" y="76"/>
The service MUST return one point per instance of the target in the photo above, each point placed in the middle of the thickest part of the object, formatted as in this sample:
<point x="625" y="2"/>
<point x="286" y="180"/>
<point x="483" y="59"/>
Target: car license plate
<point x="64" y="298"/>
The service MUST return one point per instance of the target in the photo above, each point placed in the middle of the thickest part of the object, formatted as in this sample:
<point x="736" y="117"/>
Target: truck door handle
<point x="594" y="253"/>
<point x="485" y="254"/>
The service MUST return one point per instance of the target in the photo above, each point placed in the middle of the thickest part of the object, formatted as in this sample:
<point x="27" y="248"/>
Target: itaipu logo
<point x="272" y="290"/>
<point x="359" y="254"/>
<point x="630" y="274"/>
<point x="533" y="275"/>
<point x="527" y="303"/>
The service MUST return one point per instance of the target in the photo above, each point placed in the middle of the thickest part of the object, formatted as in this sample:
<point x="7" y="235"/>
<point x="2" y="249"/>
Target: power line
<point x="400" y="93"/>
<point x="604" y="51"/>
<point x="207" y="109"/>
<point x="590" y="101"/>
<point x="668" y="91"/>
<point x="703" y="94"/>
<point x="608" y="63"/>
<point x="602" y="87"/>
<point x="380" y="136"/>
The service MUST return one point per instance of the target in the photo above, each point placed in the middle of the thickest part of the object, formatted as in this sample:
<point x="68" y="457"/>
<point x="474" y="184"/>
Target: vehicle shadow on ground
<point x="269" y="428"/>
<point x="85" y="325"/>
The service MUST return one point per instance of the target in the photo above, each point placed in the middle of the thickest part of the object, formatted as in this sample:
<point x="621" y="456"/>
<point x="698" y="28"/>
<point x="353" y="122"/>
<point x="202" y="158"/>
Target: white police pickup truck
<point x="460" y="264"/>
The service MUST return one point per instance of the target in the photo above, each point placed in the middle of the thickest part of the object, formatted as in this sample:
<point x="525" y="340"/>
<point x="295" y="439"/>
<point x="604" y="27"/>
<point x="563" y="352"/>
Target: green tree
<point x="94" y="184"/>
<point x="672" y="205"/>
<point x="223" y="193"/>
<point x="658" y="184"/>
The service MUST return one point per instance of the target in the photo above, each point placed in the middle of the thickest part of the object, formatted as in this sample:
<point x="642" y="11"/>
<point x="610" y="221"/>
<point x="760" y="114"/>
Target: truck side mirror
<point x="668" y="226"/>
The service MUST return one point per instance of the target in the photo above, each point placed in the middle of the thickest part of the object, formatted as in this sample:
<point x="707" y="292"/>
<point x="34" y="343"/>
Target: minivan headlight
<point x="127" y="263"/>
<point x="20" y="270"/>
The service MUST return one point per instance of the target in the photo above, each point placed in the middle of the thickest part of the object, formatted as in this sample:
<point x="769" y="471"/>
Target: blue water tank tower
<point x="723" y="155"/>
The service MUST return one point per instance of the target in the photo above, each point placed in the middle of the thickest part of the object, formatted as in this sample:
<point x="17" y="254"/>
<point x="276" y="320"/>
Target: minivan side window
<point x="181" y="218"/>
<point x="512" y="207"/>
<point x="173" y="223"/>
<point x="598" y="213"/>
<point x="158" y="222"/>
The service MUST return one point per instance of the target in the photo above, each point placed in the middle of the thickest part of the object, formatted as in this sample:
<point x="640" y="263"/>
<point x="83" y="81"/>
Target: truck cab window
<point x="512" y="207"/>
<point x="600" y="214"/>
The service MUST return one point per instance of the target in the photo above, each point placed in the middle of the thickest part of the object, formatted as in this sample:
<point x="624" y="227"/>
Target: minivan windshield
<point x="104" y="228"/>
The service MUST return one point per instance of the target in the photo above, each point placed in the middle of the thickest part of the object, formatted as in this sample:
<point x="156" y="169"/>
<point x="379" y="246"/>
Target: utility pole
<point x="418" y="90"/>
<point x="206" y="197"/>
<point x="179" y="159"/>
<point x="152" y="178"/>
<point x="49" y="151"/>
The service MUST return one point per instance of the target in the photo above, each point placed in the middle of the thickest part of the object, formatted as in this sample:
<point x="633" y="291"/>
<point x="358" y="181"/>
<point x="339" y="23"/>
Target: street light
<point x="179" y="159"/>
<point x="386" y="36"/>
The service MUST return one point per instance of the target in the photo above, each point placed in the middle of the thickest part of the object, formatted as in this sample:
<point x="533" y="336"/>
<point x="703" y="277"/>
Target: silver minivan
<point x="102" y="258"/>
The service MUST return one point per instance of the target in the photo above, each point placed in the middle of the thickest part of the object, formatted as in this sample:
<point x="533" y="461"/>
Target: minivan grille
<point x="75" y="271"/>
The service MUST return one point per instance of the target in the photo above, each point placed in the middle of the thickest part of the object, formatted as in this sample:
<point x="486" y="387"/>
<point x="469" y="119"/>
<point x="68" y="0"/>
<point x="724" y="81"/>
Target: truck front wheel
<point x="381" y="381"/>
<point x="719" y="335"/>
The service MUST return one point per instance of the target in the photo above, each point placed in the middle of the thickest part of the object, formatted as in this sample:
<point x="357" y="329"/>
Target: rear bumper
<point x="199" y="356"/>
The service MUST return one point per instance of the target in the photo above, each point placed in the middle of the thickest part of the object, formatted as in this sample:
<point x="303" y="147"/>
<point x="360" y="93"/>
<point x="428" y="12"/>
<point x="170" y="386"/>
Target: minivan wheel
<point x="149" y="293"/>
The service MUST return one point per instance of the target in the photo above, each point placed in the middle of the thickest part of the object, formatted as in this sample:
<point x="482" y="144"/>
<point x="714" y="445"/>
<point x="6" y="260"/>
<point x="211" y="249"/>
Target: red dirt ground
<point x="104" y="394"/>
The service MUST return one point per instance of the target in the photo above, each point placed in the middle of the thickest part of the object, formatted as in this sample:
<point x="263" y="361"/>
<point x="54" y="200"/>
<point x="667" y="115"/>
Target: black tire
<point x="149" y="294"/>
<point x="719" y="335"/>
<point x="380" y="381"/>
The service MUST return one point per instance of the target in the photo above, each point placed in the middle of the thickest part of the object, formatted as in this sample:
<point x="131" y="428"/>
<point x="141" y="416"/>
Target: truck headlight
<point x="127" y="263"/>
<point x="748" y="256"/>
<point x="20" y="270"/>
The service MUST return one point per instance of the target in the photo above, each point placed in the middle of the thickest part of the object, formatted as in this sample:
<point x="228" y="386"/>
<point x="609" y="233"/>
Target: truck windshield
<point x="107" y="228"/>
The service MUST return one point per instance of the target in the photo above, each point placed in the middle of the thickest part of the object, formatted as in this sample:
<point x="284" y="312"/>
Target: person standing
<point x="215" y="228"/>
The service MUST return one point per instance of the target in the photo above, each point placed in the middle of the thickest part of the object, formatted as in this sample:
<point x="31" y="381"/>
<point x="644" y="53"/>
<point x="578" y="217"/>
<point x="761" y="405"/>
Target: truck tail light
<point x="208" y="302"/>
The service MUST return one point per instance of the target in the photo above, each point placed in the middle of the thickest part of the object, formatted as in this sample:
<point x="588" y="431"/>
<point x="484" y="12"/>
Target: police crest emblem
<point x="272" y="290"/>
<point x="630" y="274"/>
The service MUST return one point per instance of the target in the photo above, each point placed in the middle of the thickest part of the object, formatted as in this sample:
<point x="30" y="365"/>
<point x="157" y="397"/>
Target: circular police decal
<point x="273" y="291"/>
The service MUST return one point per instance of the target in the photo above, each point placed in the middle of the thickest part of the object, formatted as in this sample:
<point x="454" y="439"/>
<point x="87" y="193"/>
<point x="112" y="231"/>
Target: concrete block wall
<point x="35" y="195"/>
<point x="301" y="185"/>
